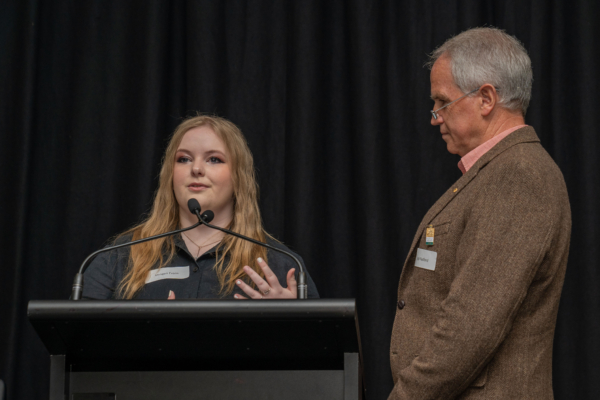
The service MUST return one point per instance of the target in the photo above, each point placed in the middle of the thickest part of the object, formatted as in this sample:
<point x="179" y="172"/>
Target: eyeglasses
<point x="434" y="112"/>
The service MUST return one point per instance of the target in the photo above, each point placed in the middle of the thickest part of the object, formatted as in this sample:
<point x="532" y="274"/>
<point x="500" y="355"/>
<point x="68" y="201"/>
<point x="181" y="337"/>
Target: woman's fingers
<point x="271" y="288"/>
<point x="291" y="282"/>
<point x="261" y="285"/>
<point x="269" y="275"/>
<point x="253" y="294"/>
<point x="239" y="297"/>
<point x="171" y="295"/>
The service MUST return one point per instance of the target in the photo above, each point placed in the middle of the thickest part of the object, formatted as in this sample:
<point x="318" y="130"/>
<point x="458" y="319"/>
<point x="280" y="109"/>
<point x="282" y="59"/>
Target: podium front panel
<point x="168" y="348"/>
<point x="198" y="385"/>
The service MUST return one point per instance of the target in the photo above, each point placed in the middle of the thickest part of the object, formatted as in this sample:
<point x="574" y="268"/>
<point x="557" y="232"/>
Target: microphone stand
<point x="302" y="287"/>
<point x="78" y="281"/>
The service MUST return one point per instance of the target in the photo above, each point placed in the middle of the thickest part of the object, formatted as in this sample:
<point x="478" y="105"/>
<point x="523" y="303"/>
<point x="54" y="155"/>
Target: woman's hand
<point x="269" y="289"/>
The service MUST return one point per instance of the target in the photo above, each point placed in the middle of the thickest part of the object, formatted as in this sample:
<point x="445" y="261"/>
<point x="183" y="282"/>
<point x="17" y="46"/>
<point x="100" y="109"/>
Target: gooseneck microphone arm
<point x="208" y="215"/>
<point x="78" y="281"/>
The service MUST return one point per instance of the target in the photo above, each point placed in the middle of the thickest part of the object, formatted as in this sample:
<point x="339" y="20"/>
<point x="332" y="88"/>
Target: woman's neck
<point x="203" y="233"/>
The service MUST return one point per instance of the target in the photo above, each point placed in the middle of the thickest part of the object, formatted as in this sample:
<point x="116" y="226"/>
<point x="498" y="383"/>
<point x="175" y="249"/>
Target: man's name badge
<point x="426" y="259"/>
<point x="429" y="234"/>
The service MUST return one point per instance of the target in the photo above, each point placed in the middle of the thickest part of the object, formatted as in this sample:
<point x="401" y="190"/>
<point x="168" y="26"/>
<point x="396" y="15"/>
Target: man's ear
<point x="489" y="98"/>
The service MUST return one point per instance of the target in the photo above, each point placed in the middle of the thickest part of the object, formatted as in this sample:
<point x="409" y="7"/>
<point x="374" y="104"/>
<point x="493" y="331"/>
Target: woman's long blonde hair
<point x="164" y="215"/>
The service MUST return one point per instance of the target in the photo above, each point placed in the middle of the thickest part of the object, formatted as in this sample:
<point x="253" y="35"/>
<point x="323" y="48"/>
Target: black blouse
<point x="187" y="277"/>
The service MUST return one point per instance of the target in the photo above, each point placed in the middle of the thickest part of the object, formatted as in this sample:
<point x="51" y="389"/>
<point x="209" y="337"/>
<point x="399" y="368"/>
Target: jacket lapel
<point x="524" y="135"/>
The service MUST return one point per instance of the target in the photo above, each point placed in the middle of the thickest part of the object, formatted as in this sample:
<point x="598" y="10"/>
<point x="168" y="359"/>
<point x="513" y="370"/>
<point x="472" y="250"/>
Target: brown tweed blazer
<point x="481" y="325"/>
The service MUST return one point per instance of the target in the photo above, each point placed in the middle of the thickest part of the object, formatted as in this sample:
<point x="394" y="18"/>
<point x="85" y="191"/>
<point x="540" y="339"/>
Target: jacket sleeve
<point x="506" y="235"/>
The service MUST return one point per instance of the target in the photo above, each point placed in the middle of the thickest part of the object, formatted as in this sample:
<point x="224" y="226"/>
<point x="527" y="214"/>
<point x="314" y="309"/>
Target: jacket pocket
<point x="441" y="228"/>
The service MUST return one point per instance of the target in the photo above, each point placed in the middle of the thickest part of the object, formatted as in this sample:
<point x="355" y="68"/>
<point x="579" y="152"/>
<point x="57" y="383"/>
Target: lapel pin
<point x="430" y="233"/>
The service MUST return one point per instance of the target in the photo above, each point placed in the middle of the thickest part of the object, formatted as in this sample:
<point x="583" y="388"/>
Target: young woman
<point x="207" y="159"/>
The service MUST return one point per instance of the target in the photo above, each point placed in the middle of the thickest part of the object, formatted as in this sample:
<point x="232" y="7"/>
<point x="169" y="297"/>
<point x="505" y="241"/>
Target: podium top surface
<point x="191" y="309"/>
<point x="198" y="334"/>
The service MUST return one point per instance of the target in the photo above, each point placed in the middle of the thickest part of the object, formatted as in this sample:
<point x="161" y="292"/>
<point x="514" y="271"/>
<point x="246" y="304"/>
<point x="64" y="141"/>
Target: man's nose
<point x="438" y="121"/>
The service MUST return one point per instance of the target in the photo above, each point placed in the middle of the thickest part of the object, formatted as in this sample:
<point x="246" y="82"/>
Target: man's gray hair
<point x="489" y="55"/>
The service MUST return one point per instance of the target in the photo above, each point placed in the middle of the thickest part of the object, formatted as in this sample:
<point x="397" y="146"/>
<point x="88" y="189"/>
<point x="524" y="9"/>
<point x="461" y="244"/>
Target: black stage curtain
<point x="334" y="101"/>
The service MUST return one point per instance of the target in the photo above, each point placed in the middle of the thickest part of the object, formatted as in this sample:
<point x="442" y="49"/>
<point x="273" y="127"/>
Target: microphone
<point x="208" y="216"/>
<point x="78" y="281"/>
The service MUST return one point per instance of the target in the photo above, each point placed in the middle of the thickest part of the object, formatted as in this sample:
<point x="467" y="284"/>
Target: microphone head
<point x="193" y="206"/>
<point x="207" y="216"/>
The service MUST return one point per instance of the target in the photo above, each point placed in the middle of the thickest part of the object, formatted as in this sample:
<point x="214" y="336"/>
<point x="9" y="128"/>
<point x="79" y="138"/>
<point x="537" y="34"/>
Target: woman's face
<point x="202" y="170"/>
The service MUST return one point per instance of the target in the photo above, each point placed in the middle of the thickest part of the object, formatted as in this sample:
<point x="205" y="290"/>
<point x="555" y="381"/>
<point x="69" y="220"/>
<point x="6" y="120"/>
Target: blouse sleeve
<point x="102" y="277"/>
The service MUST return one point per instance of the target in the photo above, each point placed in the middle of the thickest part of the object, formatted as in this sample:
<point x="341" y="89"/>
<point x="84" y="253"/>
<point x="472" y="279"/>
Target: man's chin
<point x="451" y="149"/>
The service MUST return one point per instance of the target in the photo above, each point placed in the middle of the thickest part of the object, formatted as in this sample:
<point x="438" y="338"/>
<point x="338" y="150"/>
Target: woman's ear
<point x="489" y="99"/>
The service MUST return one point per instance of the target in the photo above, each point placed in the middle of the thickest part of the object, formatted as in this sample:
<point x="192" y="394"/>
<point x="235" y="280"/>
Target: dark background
<point x="334" y="102"/>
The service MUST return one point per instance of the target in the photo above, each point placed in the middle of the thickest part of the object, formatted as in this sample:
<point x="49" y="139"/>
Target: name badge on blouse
<point x="426" y="259"/>
<point x="168" y="273"/>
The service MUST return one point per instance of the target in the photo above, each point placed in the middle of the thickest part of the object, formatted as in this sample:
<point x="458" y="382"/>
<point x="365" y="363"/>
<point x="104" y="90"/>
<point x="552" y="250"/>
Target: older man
<point x="479" y="291"/>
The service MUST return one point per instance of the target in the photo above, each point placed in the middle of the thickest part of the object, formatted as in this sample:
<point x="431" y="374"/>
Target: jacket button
<point x="401" y="304"/>
<point x="195" y="269"/>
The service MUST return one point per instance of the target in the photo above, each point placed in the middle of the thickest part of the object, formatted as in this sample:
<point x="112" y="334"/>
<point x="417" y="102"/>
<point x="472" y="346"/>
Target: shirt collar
<point x="179" y="242"/>
<point x="469" y="159"/>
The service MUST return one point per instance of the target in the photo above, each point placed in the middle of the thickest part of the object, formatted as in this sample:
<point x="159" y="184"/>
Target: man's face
<point x="460" y="123"/>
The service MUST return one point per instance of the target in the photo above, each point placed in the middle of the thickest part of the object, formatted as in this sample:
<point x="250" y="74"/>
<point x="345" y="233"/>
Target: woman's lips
<point x="197" y="187"/>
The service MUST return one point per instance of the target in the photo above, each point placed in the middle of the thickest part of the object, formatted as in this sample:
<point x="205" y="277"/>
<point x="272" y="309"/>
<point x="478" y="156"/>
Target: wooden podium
<point x="201" y="349"/>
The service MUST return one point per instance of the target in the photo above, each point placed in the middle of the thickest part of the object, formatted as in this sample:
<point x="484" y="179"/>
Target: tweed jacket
<point x="481" y="325"/>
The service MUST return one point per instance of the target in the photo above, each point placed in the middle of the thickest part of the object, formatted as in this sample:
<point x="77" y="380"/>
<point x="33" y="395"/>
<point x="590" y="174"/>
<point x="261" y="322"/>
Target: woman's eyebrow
<point x="208" y="152"/>
<point x="215" y="152"/>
